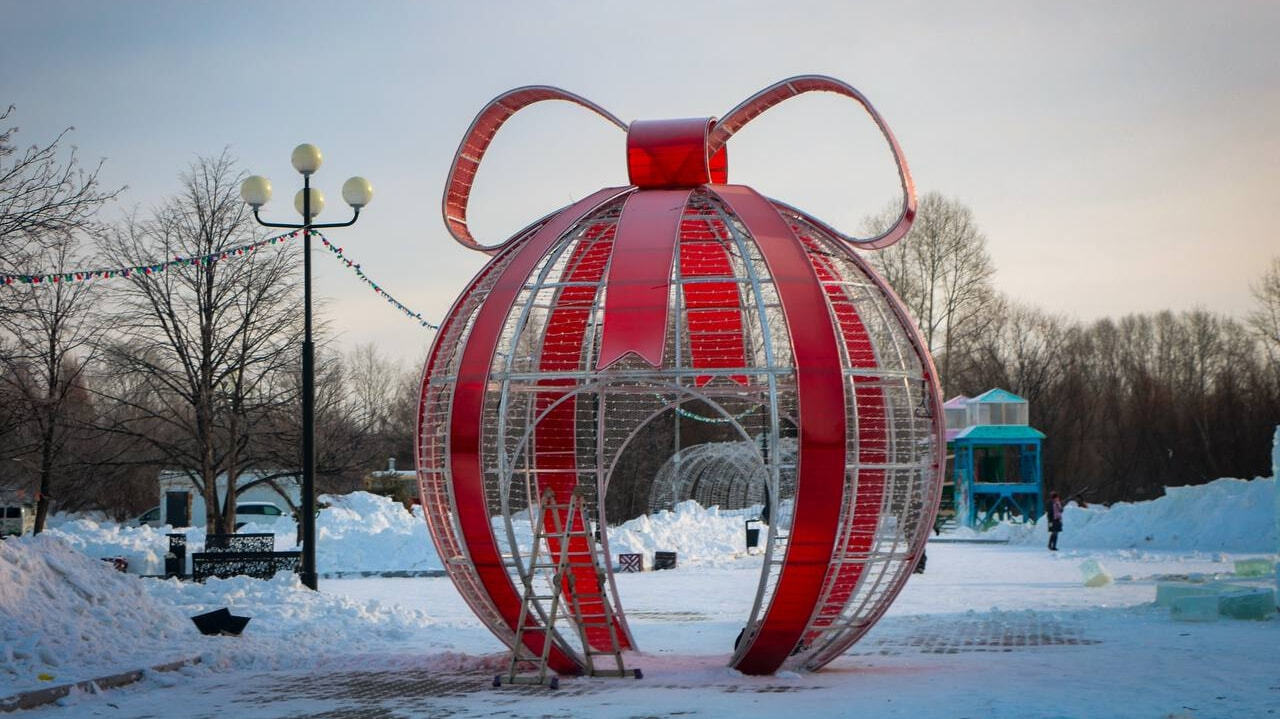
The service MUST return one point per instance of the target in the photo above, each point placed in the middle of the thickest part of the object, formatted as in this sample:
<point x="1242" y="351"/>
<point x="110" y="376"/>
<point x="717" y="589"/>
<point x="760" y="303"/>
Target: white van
<point x="17" y="519"/>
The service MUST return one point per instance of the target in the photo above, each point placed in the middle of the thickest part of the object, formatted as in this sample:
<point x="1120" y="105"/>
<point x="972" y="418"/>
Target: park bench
<point x="230" y="555"/>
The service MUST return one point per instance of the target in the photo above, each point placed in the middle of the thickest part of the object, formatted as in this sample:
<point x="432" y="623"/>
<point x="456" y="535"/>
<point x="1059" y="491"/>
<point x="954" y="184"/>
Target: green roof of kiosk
<point x="997" y="395"/>
<point x="999" y="433"/>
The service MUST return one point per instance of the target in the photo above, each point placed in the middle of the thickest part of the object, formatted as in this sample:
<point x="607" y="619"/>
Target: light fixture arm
<point x="355" y="216"/>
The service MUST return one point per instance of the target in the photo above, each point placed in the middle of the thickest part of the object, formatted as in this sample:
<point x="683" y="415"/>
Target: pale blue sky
<point x="1119" y="157"/>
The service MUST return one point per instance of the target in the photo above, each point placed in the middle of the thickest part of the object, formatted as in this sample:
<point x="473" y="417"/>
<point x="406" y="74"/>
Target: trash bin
<point x="175" y="560"/>
<point x="753" y="534"/>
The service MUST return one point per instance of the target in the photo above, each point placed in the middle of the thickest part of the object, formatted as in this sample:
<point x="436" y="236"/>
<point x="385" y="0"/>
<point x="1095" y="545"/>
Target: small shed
<point x="182" y="504"/>
<point x="995" y="466"/>
<point x="956" y="410"/>
<point x="398" y="484"/>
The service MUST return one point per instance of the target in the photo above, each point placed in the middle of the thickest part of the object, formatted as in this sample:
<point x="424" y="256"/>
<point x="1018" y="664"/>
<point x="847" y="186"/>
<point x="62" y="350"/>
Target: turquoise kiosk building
<point x="993" y="458"/>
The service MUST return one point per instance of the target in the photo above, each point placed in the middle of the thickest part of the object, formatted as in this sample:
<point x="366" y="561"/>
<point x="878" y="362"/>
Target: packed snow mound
<point x="71" y="617"/>
<point x="698" y="535"/>
<point x="1225" y="515"/>
<point x="284" y="613"/>
<point x="58" y="605"/>
<point x="143" y="547"/>
<point x="357" y="532"/>
<point x="364" y="532"/>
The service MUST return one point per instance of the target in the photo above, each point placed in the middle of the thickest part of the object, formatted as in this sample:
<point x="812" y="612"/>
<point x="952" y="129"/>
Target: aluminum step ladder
<point x="561" y="526"/>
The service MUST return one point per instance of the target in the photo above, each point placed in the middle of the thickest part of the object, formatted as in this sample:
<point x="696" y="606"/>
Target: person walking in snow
<point x="1055" y="520"/>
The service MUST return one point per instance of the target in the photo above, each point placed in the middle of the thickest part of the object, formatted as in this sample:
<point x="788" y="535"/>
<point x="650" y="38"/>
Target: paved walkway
<point x="677" y="686"/>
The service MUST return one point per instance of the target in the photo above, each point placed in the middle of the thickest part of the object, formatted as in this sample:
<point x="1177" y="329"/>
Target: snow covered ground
<point x="990" y="630"/>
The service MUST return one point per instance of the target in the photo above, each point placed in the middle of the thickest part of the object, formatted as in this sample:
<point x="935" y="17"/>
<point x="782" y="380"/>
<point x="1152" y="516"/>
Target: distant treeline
<point x="1128" y="406"/>
<point x="1134" y="405"/>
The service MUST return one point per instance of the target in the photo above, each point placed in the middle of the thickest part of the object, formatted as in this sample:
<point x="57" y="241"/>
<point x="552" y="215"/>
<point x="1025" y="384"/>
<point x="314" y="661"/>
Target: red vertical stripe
<point x="466" y="458"/>
<point x="872" y="441"/>
<point x="821" y="457"/>
<point x="555" y="437"/>
<point x="713" y="309"/>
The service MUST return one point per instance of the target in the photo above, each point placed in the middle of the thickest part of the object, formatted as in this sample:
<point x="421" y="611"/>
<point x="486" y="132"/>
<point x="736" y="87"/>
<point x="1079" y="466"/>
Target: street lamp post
<point x="357" y="192"/>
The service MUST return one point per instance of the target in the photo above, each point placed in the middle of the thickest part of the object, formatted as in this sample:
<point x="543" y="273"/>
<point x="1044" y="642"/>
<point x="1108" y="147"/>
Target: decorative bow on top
<point x="662" y="152"/>
<point x="666" y="161"/>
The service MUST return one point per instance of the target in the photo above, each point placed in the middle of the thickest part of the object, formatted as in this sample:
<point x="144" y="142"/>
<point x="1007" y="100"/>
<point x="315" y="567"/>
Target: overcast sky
<point x="1120" y="157"/>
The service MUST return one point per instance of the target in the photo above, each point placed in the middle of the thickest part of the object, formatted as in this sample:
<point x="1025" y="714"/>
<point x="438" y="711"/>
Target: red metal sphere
<point x="680" y="296"/>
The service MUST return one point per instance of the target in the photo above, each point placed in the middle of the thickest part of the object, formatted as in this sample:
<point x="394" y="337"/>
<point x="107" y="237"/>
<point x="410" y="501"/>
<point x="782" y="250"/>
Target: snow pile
<point x="696" y="534"/>
<point x="363" y="532"/>
<point x="143" y="547"/>
<point x="58" y="605"/>
<point x="290" y="624"/>
<point x="356" y="532"/>
<point x="1225" y="515"/>
<point x="1013" y="532"/>
<point x="69" y="616"/>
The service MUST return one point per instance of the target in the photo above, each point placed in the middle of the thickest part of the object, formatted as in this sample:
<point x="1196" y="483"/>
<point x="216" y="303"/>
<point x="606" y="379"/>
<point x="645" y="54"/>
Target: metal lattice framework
<point x="728" y="475"/>
<point x="682" y="294"/>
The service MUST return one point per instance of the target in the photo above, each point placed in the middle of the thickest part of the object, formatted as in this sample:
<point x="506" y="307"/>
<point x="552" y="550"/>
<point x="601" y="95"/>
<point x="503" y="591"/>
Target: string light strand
<point x="73" y="276"/>
<point x="151" y="269"/>
<point x="355" y="267"/>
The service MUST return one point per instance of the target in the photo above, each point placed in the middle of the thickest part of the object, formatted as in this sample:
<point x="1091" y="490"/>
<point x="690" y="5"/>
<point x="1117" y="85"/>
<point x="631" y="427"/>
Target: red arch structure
<point x="682" y="298"/>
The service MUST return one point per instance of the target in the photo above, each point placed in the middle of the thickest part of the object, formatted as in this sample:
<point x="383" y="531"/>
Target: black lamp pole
<point x="308" y="519"/>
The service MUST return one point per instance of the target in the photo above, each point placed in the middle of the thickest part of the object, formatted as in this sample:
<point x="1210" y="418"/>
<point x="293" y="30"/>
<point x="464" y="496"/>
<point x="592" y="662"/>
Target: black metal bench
<point x="231" y="555"/>
<point x="262" y="565"/>
<point x="240" y="543"/>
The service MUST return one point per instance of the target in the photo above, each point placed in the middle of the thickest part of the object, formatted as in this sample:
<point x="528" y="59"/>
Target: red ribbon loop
<point x="755" y="105"/>
<point x="457" y="192"/>
<point x="663" y="153"/>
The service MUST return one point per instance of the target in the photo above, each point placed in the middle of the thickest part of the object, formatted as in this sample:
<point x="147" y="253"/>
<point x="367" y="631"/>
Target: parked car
<point x="17" y="519"/>
<point x="149" y="518"/>
<point x="266" y="513"/>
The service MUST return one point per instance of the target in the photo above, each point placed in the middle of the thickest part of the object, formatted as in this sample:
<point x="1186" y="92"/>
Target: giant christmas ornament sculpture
<point x="678" y="299"/>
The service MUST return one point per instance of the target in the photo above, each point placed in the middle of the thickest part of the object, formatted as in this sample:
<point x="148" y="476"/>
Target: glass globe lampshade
<point x="255" y="191"/>
<point x="317" y="202"/>
<point x="357" y="192"/>
<point x="306" y="158"/>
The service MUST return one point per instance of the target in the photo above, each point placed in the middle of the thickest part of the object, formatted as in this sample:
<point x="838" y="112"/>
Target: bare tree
<point x="943" y="273"/>
<point x="52" y="328"/>
<point x="44" y="196"/>
<point x="1265" y="318"/>
<point x="48" y="206"/>
<point x="363" y="415"/>
<point x="1022" y="350"/>
<point x="373" y="383"/>
<point x="212" y="341"/>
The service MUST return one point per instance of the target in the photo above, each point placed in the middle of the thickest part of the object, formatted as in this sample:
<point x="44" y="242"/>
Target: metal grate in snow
<point x="989" y="633"/>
